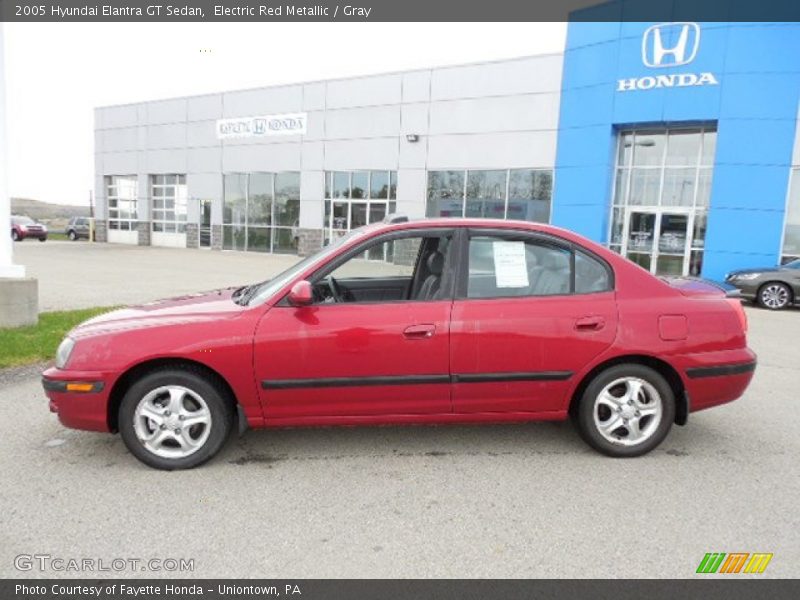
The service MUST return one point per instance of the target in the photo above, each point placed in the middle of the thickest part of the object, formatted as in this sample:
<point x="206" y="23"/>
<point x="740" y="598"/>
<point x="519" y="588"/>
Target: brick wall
<point x="143" y="227"/>
<point x="308" y="241"/>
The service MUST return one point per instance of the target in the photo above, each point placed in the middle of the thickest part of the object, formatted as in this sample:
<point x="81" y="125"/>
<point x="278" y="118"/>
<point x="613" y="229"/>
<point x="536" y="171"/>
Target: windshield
<point x="23" y="220"/>
<point x="263" y="291"/>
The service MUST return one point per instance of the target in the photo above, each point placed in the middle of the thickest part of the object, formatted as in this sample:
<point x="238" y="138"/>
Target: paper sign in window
<point x="510" y="265"/>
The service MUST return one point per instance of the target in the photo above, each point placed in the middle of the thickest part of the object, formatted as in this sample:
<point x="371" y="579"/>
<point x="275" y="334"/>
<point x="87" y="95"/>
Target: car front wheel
<point x="626" y="410"/>
<point x="72" y="236"/>
<point x="14" y="235"/>
<point x="175" y="418"/>
<point x="774" y="296"/>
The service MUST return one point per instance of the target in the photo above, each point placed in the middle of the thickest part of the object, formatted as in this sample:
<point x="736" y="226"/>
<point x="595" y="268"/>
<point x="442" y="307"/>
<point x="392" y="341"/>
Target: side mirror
<point x="302" y="294"/>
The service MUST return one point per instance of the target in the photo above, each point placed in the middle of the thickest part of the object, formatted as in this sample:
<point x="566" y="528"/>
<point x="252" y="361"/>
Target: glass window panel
<point x="259" y="199"/>
<point x="234" y="198"/>
<point x="678" y="187"/>
<point x="358" y="217"/>
<point x="621" y="186"/>
<point x="284" y="240"/>
<point x="648" y="149"/>
<point x="791" y="237"/>
<point x="287" y="199"/>
<point x="328" y="176"/>
<point x="699" y="237"/>
<point x="617" y="225"/>
<point x="641" y="232"/>
<point x="486" y="191"/>
<point x="340" y="215"/>
<point x="377" y="212"/>
<point x="644" y="187"/>
<point x="709" y="148"/>
<point x="683" y="148"/>
<point x="258" y="239"/>
<point x="641" y="259"/>
<point x="379" y="184"/>
<point x="445" y="194"/>
<point x="669" y="265"/>
<point x="341" y="184"/>
<point x="703" y="188"/>
<point x="696" y="263"/>
<point x="672" y="239"/>
<point x="393" y="184"/>
<point x="359" y="185"/>
<point x="625" y="149"/>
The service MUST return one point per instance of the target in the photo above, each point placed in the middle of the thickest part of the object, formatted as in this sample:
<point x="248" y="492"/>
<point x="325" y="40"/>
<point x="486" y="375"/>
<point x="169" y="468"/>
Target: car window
<point x="501" y="267"/>
<point x="590" y="275"/>
<point x="399" y="269"/>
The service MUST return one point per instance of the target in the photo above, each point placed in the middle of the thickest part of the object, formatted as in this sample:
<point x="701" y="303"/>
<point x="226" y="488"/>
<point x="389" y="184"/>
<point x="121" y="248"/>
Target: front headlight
<point x="747" y="276"/>
<point x="63" y="352"/>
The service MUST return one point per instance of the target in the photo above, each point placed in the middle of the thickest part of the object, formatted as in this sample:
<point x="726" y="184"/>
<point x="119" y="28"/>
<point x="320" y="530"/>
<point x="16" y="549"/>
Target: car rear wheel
<point x="43" y="239"/>
<point x="626" y="410"/>
<point x="14" y="235"/>
<point x="72" y="236"/>
<point x="175" y="418"/>
<point x="774" y="295"/>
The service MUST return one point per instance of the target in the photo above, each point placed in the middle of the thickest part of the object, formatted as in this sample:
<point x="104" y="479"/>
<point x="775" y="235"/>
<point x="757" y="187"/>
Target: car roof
<point x="477" y="223"/>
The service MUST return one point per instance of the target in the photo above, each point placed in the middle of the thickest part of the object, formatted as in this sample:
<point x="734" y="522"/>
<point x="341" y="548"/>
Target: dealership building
<point x="675" y="144"/>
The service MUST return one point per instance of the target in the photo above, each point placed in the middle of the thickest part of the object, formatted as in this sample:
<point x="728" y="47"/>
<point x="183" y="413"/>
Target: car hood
<point x="193" y="308"/>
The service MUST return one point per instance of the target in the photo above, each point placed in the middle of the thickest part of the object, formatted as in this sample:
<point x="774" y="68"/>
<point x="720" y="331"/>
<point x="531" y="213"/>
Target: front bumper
<point x="79" y="398"/>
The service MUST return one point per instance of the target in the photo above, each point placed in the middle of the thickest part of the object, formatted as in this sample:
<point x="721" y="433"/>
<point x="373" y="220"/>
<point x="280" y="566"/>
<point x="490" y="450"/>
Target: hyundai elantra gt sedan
<point x="429" y="321"/>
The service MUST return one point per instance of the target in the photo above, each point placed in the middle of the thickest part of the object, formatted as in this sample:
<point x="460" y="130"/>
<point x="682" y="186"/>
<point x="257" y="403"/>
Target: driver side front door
<point x="372" y="344"/>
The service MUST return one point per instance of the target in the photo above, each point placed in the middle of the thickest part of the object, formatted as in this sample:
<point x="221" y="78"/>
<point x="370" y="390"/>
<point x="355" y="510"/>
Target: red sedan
<point x="430" y="321"/>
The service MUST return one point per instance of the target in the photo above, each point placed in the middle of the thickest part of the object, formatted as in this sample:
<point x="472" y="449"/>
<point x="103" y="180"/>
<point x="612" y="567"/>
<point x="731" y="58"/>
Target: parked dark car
<point x="25" y="227"/>
<point x="78" y="228"/>
<point x="771" y="287"/>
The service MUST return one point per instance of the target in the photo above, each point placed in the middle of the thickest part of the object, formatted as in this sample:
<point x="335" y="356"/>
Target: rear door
<point x="372" y="343"/>
<point x="530" y="312"/>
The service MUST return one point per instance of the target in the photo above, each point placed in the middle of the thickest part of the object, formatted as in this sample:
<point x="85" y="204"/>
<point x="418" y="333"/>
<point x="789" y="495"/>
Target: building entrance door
<point x="658" y="239"/>
<point x="205" y="224"/>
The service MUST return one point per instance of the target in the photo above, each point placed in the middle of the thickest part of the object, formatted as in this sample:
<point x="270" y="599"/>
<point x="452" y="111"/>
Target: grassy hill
<point x="55" y="216"/>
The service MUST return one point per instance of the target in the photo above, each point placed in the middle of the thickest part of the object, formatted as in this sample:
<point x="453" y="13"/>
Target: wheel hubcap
<point x="628" y="411"/>
<point x="775" y="296"/>
<point x="172" y="421"/>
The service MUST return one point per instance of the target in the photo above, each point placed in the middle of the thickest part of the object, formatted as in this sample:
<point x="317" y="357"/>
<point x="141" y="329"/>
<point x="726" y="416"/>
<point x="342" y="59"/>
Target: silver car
<point x="771" y="287"/>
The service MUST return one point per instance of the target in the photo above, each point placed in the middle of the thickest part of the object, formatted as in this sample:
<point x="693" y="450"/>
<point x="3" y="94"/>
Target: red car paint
<point x="443" y="345"/>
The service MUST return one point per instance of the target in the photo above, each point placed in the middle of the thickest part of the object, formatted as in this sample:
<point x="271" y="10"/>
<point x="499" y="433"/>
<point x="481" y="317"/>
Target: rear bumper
<point x="78" y="409"/>
<point x="714" y="378"/>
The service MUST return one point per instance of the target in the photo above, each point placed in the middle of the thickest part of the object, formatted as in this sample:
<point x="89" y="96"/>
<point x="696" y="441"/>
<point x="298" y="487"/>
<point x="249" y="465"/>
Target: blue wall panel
<point x="754" y="106"/>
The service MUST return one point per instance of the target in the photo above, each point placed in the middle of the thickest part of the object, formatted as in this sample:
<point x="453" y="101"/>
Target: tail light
<point x="736" y="303"/>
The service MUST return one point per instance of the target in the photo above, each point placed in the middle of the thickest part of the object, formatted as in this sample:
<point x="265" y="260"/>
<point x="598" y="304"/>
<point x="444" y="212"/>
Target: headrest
<point x="436" y="263"/>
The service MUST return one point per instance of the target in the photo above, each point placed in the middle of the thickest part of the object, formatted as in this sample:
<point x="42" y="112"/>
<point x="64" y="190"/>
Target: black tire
<point x="215" y="397"/>
<point x="774" y="295"/>
<point x="73" y="237"/>
<point x="43" y="239"/>
<point x="585" y="414"/>
<point x="14" y="235"/>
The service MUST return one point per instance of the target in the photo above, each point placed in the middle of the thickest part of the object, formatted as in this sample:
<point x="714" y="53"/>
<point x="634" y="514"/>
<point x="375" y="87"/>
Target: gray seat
<point x="554" y="276"/>
<point x="430" y="287"/>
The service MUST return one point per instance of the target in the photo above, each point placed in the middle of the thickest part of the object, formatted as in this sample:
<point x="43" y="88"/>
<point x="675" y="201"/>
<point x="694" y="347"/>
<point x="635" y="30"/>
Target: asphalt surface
<point x="493" y="501"/>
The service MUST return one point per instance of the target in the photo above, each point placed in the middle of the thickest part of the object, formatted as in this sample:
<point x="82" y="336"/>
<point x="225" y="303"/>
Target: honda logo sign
<point x="670" y="44"/>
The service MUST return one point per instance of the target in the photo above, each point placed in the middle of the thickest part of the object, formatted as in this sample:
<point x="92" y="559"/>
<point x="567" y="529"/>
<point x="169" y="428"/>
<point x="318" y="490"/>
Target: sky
<point x="56" y="73"/>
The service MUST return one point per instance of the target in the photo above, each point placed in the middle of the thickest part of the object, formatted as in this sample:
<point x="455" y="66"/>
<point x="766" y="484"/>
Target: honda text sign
<point x="263" y="126"/>
<point x="669" y="45"/>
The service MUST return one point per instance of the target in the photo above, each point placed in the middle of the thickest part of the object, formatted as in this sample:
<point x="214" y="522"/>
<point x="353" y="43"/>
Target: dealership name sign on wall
<point x="263" y="126"/>
<point x="669" y="45"/>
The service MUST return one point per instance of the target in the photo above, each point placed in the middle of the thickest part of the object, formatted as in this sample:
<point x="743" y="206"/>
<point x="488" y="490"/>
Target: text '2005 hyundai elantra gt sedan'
<point x="430" y="321"/>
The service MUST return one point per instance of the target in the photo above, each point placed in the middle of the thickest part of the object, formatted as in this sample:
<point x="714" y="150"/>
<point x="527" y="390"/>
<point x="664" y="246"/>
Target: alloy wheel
<point x="172" y="421"/>
<point x="628" y="411"/>
<point x="775" y="296"/>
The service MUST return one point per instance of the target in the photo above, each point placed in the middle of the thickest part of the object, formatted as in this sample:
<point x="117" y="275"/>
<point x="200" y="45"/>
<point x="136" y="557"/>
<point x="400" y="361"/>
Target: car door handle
<point x="590" y="323"/>
<point x="419" y="332"/>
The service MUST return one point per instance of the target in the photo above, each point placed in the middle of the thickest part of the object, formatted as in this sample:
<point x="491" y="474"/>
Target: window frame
<point x="543" y="238"/>
<point x="131" y="222"/>
<point x="448" y="272"/>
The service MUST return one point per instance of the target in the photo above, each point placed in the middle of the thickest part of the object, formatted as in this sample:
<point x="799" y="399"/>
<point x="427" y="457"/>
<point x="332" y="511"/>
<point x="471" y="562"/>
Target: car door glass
<point x="500" y="268"/>
<point x="408" y="268"/>
<point x="590" y="275"/>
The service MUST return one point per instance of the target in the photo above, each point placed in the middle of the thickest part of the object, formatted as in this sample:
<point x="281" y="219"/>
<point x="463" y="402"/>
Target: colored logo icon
<point x="735" y="562"/>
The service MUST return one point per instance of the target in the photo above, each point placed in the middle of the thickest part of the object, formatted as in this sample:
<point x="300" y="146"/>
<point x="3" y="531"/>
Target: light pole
<point x="19" y="300"/>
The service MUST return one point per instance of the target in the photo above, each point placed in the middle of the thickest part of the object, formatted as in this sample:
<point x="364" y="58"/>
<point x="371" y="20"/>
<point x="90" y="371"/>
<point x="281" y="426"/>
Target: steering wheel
<point x="336" y="291"/>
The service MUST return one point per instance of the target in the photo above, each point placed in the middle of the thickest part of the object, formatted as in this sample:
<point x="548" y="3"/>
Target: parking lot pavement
<point x="83" y="275"/>
<point x="494" y="501"/>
